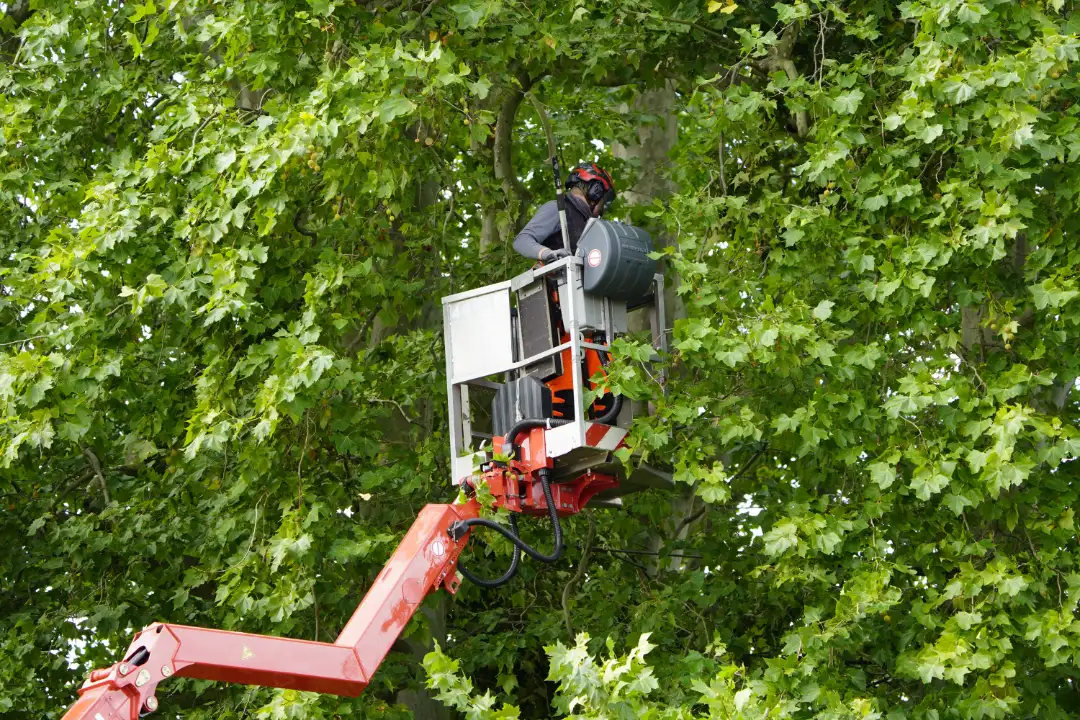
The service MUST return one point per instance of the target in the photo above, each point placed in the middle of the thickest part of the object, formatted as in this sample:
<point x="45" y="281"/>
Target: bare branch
<point x="100" y="476"/>
<point x="395" y="404"/>
<point x="685" y="23"/>
<point x="578" y="575"/>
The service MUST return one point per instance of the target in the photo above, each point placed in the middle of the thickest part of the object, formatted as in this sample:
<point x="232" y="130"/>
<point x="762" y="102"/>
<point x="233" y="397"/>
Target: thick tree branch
<point x="504" y="130"/>
<point x="96" y="465"/>
<point x="779" y="58"/>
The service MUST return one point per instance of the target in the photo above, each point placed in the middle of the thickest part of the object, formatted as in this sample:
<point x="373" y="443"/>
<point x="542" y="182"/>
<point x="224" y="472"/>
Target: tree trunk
<point x="651" y="154"/>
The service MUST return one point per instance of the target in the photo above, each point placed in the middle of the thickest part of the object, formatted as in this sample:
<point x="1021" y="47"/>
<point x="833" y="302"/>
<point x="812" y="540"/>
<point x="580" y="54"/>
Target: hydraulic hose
<point x="523" y="425"/>
<point x="458" y="529"/>
<point x="507" y="576"/>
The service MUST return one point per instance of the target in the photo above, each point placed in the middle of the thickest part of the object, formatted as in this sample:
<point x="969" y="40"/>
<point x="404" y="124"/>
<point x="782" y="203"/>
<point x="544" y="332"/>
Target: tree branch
<point x="686" y="23"/>
<point x="779" y="58"/>
<point x="300" y="211"/>
<point x="18" y="11"/>
<point x="504" y="131"/>
<point x="577" y="576"/>
<point x="427" y="9"/>
<point x="690" y="519"/>
<point x="96" y="465"/>
<point x="746" y="466"/>
<point x="749" y="463"/>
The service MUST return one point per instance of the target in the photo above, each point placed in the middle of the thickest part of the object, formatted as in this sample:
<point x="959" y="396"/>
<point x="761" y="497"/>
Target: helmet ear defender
<point x="598" y="184"/>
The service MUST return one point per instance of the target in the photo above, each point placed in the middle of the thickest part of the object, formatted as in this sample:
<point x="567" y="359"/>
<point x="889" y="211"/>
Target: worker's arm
<point x="529" y="242"/>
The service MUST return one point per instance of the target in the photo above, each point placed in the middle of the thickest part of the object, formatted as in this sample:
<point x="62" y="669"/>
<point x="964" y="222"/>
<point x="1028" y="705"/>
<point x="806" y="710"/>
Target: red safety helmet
<point x="597" y="182"/>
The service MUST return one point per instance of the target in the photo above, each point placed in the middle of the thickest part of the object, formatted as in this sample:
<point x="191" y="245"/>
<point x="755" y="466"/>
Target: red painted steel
<point x="425" y="559"/>
<point x="422" y="561"/>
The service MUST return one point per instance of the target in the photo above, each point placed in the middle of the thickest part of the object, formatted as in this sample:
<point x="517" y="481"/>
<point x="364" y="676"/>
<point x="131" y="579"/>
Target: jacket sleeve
<point x="529" y="242"/>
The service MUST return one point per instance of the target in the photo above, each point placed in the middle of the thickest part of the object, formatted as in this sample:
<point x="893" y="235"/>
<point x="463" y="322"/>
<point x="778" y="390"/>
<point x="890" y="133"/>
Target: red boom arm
<point x="425" y="559"/>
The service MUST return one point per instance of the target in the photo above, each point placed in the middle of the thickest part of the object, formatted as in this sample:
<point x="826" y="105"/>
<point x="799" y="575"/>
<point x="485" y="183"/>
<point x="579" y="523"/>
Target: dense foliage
<point x="226" y="228"/>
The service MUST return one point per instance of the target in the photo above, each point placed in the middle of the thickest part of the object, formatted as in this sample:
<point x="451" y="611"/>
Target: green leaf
<point x="133" y="41"/>
<point x="882" y="474"/>
<point x="782" y="537"/>
<point x="966" y="620"/>
<point x="792" y="236"/>
<point x="142" y="10"/>
<point x="1012" y="586"/>
<point x="875" y="202"/>
<point x="970" y="12"/>
<point x="824" y="309"/>
<point x="469" y="16"/>
<point x="927" y="483"/>
<point x="1050" y="293"/>
<point x="847" y="103"/>
<point x="959" y="92"/>
<point x="787" y="14"/>
<point x="480" y="88"/>
<point x="930" y="133"/>
<point x="224" y="160"/>
<point x="394" y="107"/>
<point x="785" y="423"/>
<point x="737" y="354"/>
<point x="957" y="502"/>
<point x="152" y="31"/>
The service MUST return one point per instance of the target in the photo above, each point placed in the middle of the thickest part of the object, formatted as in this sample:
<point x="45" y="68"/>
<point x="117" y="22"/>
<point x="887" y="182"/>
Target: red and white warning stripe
<point x="604" y="437"/>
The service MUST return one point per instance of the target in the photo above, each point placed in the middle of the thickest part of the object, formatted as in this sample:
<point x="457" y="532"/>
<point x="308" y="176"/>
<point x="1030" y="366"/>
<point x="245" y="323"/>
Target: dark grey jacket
<point x="543" y="230"/>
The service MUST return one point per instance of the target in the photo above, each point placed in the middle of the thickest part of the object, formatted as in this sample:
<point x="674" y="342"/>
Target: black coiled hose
<point x="510" y="571"/>
<point x="458" y="529"/>
<point x="524" y="425"/>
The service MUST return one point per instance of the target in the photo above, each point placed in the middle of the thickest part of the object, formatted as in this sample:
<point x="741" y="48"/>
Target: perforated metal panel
<point x="536" y="332"/>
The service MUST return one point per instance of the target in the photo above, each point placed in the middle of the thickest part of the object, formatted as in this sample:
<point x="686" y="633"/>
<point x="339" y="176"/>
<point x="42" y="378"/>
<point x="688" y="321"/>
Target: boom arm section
<point x="425" y="559"/>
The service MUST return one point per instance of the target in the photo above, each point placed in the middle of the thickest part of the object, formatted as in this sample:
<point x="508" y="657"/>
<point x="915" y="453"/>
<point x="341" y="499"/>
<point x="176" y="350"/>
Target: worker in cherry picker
<point x="590" y="192"/>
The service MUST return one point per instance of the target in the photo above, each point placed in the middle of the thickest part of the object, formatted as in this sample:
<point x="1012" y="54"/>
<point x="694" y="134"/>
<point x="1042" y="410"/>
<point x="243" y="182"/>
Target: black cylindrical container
<point x="617" y="262"/>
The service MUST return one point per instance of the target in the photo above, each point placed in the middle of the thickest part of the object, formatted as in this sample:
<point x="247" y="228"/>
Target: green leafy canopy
<point x="225" y="230"/>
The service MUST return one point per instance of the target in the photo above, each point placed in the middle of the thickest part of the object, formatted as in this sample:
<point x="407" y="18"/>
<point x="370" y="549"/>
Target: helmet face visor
<point x="604" y="203"/>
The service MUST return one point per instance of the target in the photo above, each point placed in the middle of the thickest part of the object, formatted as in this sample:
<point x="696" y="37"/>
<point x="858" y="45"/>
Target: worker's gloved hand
<point x="550" y="256"/>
